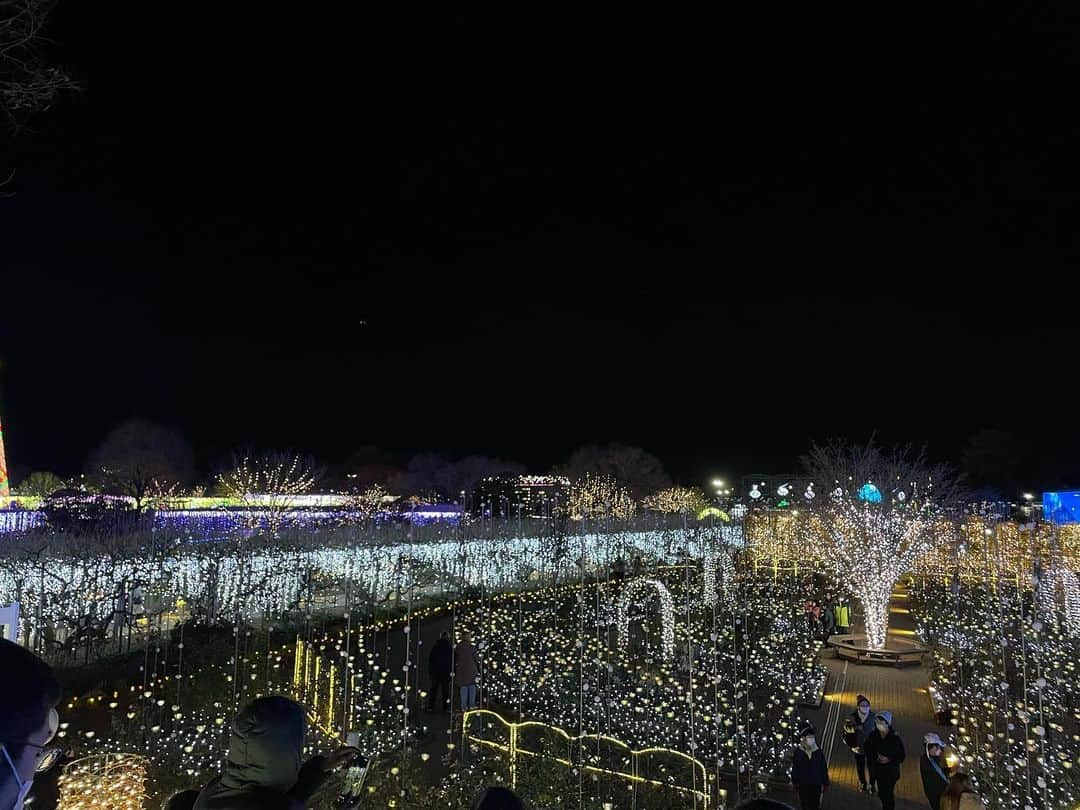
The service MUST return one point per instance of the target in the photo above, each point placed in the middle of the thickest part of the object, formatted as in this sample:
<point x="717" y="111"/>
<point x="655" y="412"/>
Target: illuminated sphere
<point x="869" y="493"/>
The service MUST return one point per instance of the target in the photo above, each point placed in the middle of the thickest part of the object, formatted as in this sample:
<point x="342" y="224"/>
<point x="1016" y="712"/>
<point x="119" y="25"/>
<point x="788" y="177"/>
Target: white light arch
<point x="718" y="561"/>
<point x="636" y="588"/>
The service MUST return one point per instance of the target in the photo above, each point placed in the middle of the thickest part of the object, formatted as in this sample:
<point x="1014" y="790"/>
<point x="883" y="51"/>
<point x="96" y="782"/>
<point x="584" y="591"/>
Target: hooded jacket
<point x="934" y="783"/>
<point x="263" y="770"/>
<point x="890" y="746"/>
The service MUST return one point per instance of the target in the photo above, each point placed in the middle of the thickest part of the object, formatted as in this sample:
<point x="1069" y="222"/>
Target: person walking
<point x="440" y="668"/>
<point x="843" y="617"/>
<point x="934" y="772"/>
<point x="857" y="727"/>
<point x="467" y="671"/>
<point x="828" y="621"/>
<point x="884" y="753"/>
<point x="809" y="770"/>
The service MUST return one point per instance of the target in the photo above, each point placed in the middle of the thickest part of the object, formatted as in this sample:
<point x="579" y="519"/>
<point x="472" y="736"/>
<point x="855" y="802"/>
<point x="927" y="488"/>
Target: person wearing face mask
<point x="857" y="727"/>
<point x="29" y="693"/>
<point x="934" y="772"/>
<point x="884" y="753"/>
<point x="809" y="770"/>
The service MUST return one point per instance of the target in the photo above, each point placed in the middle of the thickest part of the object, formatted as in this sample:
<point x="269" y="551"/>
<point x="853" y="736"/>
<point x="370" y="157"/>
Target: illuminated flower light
<point x="636" y="589"/>
<point x="113" y="781"/>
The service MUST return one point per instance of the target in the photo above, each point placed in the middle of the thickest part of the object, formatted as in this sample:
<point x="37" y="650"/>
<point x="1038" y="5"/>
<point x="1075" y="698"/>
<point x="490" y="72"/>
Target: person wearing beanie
<point x="809" y="770"/>
<point x="28" y="720"/>
<point x="934" y="772"/>
<point x="884" y="753"/>
<point x="857" y="727"/>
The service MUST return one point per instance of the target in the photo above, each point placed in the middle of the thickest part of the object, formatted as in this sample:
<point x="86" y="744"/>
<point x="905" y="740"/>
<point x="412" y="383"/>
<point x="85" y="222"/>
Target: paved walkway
<point x="899" y="690"/>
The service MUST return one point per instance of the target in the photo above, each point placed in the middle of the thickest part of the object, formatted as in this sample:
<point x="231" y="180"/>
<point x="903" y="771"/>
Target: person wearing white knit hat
<point x="934" y="771"/>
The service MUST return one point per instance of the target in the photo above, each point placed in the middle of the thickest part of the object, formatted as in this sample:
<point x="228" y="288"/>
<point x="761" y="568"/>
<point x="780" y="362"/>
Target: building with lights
<point x="528" y="496"/>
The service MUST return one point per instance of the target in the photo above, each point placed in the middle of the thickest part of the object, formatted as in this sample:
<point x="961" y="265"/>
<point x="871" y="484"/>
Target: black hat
<point x="808" y="730"/>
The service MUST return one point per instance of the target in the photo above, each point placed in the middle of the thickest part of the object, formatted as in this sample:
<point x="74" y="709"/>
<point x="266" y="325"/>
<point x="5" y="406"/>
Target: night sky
<point x="324" y="233"/>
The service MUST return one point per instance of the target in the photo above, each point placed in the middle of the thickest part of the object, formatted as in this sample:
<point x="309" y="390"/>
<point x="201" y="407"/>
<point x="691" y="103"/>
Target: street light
<point x="718" y="483"/>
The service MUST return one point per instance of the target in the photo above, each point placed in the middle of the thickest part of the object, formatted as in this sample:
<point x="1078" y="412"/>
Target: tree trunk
<point x="876" y="618"/>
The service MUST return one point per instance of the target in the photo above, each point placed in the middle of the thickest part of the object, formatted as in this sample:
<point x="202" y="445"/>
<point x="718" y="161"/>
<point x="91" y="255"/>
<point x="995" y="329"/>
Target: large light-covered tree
<point x="268" y="484"/>
<point x="640" y="472"/>
<point x="874" y="513"/>
<point x="141" y="459"/>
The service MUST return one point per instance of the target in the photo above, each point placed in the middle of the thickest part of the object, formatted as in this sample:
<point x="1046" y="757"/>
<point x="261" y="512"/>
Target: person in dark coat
<point x="884" y="753"/>
<point x="263" y="770"/>
<point x="934" y="772"/>
<point x="809" y="770"/>
<point x="440" y="667"/>
<point x="828" y="621"/>
<point x="467" y="671"/>
<point x="857" y="727"/>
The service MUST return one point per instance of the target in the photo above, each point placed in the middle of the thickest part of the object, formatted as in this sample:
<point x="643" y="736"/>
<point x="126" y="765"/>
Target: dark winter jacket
<point x="263" y="771"/>
<point x="828" y="621"/>
<point x="890" y="746"/>
<point x="809" y="769"/>
<point x="933" y="783"/>
<point x="861" y="729"/>
<point x="441" y="660"/>
<point x="466" y="664"/>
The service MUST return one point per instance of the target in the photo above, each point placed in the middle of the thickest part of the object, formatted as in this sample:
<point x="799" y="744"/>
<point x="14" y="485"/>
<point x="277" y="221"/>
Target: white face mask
<point x="809" y="743"/>
<point x="883" y="728"/>
<point x="24" y="787"/>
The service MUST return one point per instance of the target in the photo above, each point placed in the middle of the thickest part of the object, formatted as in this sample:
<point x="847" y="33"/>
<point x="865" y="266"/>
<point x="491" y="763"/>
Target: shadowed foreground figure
<point x="263" y="770"/>
<point x="29" y="693"/>
<point x="497" y="798"/>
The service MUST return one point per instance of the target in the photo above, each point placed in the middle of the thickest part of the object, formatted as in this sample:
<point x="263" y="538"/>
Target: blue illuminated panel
<point x="1062" y="507"/>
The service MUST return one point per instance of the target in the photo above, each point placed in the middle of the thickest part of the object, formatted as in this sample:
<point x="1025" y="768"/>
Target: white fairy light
<point x="637" y="588"/>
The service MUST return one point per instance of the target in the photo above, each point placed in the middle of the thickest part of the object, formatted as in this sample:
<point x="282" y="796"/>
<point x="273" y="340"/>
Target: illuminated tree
<point x="676" y="500"/>
<point x="597" y="496"/>
<point x="41" y="484"/>
<point x="367" y="504"/>
<point x="268" y="483"/>
<point x="641" y="473"/>
<point x="139" y="459"/>
<point x="873" y="516"/>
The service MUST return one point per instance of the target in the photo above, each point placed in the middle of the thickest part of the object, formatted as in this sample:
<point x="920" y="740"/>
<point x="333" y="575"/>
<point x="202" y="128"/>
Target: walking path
<point x="901" y="690"/>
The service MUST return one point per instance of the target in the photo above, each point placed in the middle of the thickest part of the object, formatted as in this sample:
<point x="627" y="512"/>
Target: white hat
<point x="933" y="739"/>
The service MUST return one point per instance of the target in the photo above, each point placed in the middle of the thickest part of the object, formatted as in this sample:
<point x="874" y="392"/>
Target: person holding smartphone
<point x="263" y="770"/>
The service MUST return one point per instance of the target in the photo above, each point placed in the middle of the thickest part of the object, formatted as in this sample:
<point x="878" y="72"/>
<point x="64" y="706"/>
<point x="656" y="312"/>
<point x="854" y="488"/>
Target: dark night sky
<point x="322" y="233"/>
